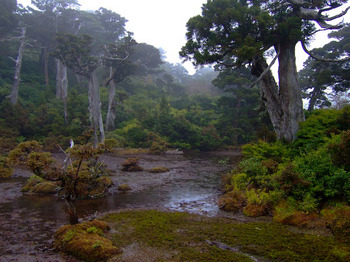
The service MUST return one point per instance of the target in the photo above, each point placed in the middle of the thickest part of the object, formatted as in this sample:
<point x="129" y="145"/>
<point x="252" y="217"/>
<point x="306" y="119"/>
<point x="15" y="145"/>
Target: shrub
<point x="262" y="151"/>
<point x="5" y="170"/>
<point x="327" y="181"/>
<point x="340" y="151"/>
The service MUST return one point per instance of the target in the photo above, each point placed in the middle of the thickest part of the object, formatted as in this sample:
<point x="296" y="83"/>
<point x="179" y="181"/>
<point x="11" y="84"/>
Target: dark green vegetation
<point x="295" y="181"/>
<point x="165" y="236"/>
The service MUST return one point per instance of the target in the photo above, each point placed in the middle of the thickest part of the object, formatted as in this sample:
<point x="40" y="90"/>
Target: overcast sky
<point x="162" y="23"/>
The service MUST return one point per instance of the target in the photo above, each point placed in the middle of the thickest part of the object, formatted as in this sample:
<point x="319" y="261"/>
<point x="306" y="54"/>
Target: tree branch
<point x="338" y="15"/>
<point x="303" y="45"/>
<point x="266" y="70"/>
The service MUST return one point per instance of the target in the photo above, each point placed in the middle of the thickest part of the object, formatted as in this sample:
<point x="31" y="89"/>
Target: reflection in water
<point x="27" y="222"/>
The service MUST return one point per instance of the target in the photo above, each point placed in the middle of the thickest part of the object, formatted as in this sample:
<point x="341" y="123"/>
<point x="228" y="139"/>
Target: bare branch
<point x="323" y="59"/>
<point x="266" y="70"/>
<point x="11" y="58"/>
<point x="338" y="15"/>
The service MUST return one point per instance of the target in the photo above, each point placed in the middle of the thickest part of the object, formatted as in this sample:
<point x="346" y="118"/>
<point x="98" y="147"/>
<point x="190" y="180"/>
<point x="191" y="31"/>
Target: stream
<point x="28" y="222"/>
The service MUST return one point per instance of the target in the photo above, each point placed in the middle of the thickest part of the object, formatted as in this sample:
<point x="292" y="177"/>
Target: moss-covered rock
<point x="86" y="241"/>
<point x="131" y="165"/>
<point x="160" y="169"/>
<point x="39" y="185"/>
<point x="124" y="187"/>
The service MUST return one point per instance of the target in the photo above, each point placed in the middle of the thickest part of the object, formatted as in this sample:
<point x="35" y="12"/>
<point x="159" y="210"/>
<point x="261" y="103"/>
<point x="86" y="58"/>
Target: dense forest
<point x="76" y="82"/>
<point x="64" y="71"/>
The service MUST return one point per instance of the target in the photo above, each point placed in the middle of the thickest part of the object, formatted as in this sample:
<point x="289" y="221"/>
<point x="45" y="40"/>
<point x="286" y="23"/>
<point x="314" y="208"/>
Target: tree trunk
<point x="290" y="93"/>
<point x="95" y="107"/>
<point x="62" y="86"/>
<point x="269" y="94"/>
<point x="18" y="66"/>
<point x="111" y="111"/>
<point x="284" y="102"/>
<point x="46" y="66"/>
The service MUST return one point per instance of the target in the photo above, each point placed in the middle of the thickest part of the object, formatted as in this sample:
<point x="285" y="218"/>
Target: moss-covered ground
<point x="152" y="235"/>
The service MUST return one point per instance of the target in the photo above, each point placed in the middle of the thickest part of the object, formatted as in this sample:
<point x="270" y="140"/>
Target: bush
<point x="262" y="151"/>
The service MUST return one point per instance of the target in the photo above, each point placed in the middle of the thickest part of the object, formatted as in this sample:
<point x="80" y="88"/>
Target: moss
<point x="161" y="169"/>
<point x="36" y="184"/>
<point x="124" y="187"/>
<point x="185" y="237"/>
<point x="86" y="241"/>
<point x="338" y="221"/>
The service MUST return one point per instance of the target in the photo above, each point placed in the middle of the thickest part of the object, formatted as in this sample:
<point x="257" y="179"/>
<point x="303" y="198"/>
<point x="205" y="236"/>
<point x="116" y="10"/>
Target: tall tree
<point x="233" y="33"/>
<point x="44" y="21"/>
<point x="126" y="59"/>
<point x="75" y="52"/>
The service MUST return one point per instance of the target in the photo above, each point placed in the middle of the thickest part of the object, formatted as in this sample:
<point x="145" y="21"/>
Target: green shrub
<point x="340" y="150"/>
<point x="326" y="180"/>
<point x="262" y="151"/>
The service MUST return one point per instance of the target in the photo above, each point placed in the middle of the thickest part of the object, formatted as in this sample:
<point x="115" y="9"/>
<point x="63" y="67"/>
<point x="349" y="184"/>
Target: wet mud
<point x="192" y="184"/>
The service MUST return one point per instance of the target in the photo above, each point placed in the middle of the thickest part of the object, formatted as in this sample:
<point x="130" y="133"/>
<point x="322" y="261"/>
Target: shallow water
<point x="27" y="222"/>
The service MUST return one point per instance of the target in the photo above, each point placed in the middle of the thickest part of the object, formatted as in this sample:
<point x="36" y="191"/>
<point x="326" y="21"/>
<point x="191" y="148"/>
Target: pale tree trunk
<point x="46" y="65"/>
<point x="62" y="86"/>
<point x="111" y="111"/>
<point x="290" y="93"/>
<point x="95" y="107"/>
<point x="284" y="102"/>
<point x="18" y="66"/>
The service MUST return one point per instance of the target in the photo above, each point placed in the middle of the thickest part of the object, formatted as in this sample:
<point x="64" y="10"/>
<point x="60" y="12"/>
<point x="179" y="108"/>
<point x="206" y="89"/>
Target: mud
<point x="27" y="222"/>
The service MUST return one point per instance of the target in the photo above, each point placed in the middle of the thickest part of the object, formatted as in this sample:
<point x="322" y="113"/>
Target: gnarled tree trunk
<point x="18" y="66"/>
<point x="284" y="102"/>
<point x="95" y="107"/>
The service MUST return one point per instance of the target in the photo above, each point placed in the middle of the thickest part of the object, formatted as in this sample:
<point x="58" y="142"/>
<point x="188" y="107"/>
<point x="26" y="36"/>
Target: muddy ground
<point x="27" y="222"/>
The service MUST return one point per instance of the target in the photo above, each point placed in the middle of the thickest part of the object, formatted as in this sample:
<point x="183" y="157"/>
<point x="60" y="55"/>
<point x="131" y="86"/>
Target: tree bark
<point x="290" y="93"/>
<point x="284" y="102"/>
<point x="62" y="86"/>
<point x="111" y="111"/>
<point x="95" y="107"/>
<point x="18" y="66"/>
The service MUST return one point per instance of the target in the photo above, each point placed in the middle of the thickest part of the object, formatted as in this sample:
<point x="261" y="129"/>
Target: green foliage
<point x="262" y="151"/>
<point x="300" y="178"/>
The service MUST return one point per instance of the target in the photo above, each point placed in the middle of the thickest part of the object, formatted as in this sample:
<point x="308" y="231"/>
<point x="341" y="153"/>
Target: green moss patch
<point x="86" y="241"/>
<point x="39" y="185"/>
<point x="185" y="237"/>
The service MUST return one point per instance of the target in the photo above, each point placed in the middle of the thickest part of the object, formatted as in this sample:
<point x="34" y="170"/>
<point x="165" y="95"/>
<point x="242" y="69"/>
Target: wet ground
<point x="27" y="222"/>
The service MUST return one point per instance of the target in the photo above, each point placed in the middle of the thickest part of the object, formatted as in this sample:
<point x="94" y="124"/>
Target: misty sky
<point x="162" y="23"/>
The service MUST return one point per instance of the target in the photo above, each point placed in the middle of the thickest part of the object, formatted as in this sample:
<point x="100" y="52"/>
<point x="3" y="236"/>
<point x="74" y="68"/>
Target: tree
<point x="75" y="53"/>
<point x="234" y="33"/>
<point x="8" y="19"/>
<point x="48" y="18"/>
<point x="319" y="76"/>
<point x="126" y="59"/>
